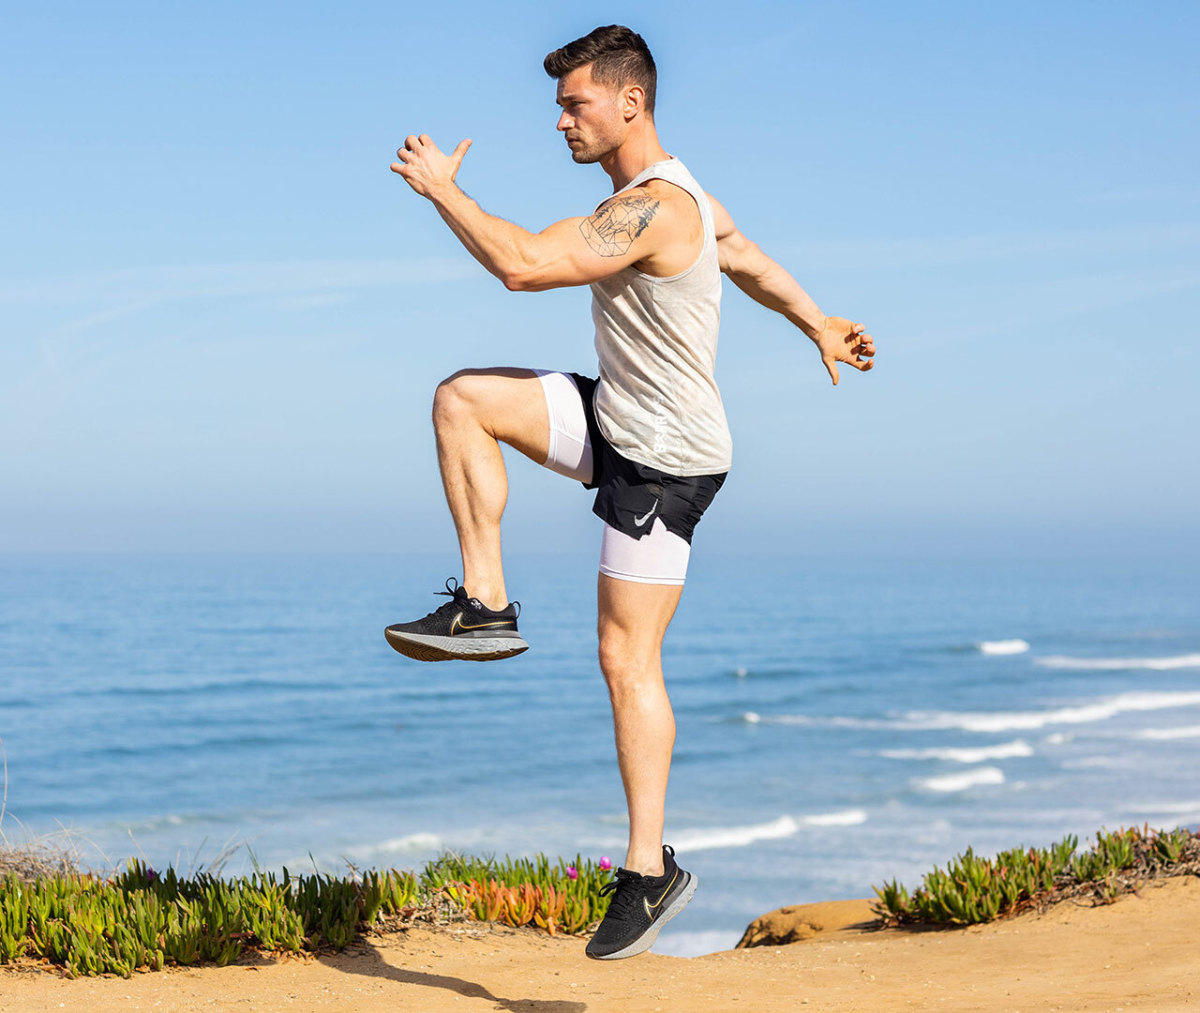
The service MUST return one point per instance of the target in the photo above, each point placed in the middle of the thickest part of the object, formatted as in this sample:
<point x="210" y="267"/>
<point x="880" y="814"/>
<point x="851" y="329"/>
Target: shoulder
<point x="634" y="211"/>
<point x="654" y="194"/>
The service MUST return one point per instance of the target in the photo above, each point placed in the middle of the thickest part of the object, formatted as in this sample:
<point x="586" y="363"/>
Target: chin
<point x="590" y="155"/>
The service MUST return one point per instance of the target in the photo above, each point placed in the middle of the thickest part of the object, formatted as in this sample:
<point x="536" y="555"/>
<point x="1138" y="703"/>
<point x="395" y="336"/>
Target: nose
<point x="565" y="122"/>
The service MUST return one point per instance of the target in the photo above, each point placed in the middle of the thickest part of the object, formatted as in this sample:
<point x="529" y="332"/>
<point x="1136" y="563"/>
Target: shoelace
<point x="623" y="900"/>
<point x="452" y="594"/>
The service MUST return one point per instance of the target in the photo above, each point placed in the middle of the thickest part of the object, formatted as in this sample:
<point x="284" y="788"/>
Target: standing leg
<point x="633" y="617"/>
<point x="473" y="412"/>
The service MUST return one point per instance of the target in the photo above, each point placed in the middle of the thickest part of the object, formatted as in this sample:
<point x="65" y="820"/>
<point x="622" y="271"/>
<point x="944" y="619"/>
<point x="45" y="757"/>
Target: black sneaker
<point x="640" y="907"/>
<point x="462" y="628"/>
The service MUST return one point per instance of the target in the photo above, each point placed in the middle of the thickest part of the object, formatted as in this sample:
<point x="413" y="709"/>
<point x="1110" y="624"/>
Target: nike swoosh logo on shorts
<point x="639" y="521"/>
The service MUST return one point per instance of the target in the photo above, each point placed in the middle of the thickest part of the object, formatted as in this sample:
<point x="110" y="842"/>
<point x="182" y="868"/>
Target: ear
<point x="633" y="101"/>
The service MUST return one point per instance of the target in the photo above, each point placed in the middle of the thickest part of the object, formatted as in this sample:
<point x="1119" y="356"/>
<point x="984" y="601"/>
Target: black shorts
<point x="629" y="496"/>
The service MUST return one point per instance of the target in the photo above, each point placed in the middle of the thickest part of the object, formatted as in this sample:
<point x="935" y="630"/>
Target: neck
<point x="640" y="150"/>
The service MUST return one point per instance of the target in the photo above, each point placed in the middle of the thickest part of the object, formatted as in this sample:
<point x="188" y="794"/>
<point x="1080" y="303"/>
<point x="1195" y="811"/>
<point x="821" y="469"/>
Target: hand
<point x="841" y="341"/>
<point x="423" y="166"/>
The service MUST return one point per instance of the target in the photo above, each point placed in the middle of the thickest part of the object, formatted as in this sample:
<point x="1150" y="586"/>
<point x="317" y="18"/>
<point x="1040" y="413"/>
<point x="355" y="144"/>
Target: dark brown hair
<point x="618" y="56"/>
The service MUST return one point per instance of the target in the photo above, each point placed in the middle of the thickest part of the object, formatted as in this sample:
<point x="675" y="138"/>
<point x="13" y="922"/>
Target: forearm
<point x="498" y="245"/>
<point x="773" y="287"/>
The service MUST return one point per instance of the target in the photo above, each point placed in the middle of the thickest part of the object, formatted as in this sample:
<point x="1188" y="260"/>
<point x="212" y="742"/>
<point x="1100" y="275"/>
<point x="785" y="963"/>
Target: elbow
<point x="520" y="273"/>
<point x="516" y="281"/>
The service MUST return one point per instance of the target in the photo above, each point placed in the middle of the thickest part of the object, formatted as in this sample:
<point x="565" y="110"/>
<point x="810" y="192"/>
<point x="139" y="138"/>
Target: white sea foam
<point x="1003" y="646"/>
<point x="960" y="782"/>
<point x="741" y="673"/>
<point x="409" y="842"/>
<point x="1168" y="808"/>
<point x="1118" y="664"/>
<point x="844" y="818"/>
<point x="1187" y="732"/>
<point x="1096" y="762"/>
<point x="734" y="837"/>
<point x="963" y="755"/>
<point x="708" y="838"/>
<point x="1098" y="710"/>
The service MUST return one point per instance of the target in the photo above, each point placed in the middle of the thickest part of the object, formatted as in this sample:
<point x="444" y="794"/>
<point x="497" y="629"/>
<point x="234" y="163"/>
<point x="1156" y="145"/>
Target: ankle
<point x="492" y="598"/>
<point x="645" y="864"/>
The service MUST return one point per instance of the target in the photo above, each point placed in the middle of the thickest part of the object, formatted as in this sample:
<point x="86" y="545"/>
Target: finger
<point x="404" y="154"/>
<point x="426" y="139"/>
<point x="460" y="151"/>
<point x="831" y="365"/>
<point x="412" y="142"/>
<point x="867" y="350"/>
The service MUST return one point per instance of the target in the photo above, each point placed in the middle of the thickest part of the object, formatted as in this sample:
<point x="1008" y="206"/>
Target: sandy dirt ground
<point x="1140" y="954"/>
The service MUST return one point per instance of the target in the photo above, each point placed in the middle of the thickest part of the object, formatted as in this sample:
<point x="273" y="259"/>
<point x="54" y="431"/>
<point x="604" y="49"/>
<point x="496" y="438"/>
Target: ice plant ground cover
<point x="973" y="889"/>
<point x="143" y="919"/>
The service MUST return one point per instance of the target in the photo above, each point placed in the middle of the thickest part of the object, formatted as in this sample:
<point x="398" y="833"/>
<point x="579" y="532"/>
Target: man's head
<point x="606" y="85"/>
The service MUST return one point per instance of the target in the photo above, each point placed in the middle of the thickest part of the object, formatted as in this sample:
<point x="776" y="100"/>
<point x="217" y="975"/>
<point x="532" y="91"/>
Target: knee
<point x="452" y="399"/>
<point x="626" y="670"/>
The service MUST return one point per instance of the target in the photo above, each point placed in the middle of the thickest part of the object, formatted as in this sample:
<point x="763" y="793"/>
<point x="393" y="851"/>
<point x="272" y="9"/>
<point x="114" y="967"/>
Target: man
<point x="649" y="435"/>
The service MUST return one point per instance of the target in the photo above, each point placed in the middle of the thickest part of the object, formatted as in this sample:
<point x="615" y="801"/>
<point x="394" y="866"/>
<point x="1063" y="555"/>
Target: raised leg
<point x="633" y="617"/>
<point x="473" y="412"/>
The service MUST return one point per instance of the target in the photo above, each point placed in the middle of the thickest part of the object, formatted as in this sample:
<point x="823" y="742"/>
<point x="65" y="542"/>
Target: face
<point x="592" y="119"/>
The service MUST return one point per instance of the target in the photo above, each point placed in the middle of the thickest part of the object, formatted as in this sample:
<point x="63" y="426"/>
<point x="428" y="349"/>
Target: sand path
<point x="1140" y="954"/>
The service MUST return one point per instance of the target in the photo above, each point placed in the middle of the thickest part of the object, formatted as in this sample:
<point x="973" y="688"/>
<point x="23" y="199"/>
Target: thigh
<point x="570" y="450"/>
<point x="509" y="403"/>
<point x="657" y="557"/>
<point x="633" y="618"/>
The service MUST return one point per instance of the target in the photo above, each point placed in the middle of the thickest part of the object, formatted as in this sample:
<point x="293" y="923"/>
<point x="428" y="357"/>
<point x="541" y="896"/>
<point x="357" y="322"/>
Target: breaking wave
<point x="703" y="839"/>
<point x="963" y="754"/>
<point x="1120" y="664"/>
<point x="1100" y="709"/>
<point x="1003" y="646"/>
<point x="960" y="782"/>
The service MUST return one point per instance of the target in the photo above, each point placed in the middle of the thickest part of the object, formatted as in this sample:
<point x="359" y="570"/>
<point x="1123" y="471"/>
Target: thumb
<point x="456" y="156"/>
<point x="831" y="365"/>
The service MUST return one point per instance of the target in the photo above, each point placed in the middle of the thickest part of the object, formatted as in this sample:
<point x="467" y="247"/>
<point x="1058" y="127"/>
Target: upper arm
<point x="737" y="254"/>
<point x="579" y="251"/>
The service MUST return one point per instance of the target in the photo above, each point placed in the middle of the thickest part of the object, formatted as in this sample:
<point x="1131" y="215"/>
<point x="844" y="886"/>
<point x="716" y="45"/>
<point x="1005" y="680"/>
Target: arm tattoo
<point x="613" y="228"/>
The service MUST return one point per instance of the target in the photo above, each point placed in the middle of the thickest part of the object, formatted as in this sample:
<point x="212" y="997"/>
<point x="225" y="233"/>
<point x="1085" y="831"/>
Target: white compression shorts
<point x="661" y="557"/>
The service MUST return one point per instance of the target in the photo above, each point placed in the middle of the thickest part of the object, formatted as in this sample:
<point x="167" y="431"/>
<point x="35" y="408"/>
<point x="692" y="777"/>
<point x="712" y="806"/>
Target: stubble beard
<point x="595" y="151"/>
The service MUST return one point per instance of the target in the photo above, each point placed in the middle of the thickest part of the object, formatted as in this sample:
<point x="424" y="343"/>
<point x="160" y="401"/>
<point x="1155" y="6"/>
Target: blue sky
<point x="222" y="318"/>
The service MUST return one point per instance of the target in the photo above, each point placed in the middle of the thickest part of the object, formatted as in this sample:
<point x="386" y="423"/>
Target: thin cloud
<point x="153" y="285"/>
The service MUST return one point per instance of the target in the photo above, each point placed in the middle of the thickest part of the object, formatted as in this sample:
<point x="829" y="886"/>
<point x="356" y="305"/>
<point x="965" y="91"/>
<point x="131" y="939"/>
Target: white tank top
<point x="657" y="401"/>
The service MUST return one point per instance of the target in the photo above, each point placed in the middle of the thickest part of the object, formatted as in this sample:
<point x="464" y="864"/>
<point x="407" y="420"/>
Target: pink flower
<point x="605" y="862"/>
<point x="572" y="872"/>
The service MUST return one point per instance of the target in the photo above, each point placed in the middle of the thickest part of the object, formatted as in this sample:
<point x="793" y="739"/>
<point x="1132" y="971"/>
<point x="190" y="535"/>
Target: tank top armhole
<point x="707" y="227"/>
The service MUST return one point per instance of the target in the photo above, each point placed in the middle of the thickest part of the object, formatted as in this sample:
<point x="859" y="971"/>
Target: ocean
<point x="839" y="722"/>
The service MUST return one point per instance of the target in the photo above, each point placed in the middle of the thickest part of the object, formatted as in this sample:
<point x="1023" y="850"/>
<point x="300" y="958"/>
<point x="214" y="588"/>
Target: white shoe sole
<point x="424" y="647"/>
<point x="646" y="939"/>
